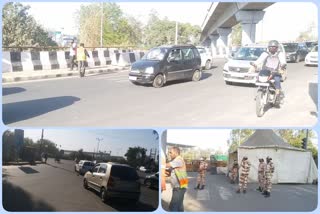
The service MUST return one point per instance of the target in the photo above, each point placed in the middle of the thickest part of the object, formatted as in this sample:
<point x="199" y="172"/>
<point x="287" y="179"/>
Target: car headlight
<point x="149" y="70"/>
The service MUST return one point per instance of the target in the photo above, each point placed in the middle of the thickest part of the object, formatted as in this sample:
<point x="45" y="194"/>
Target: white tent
<point x="292" y="165"/>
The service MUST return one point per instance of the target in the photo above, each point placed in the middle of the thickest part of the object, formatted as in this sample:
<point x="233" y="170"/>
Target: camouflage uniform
<point x="201" y="179"/>
<point x="268" y="182"/>
<point x="234" y="173"/>
<point x="243" y="180"/>
<point x="261" y="175"/>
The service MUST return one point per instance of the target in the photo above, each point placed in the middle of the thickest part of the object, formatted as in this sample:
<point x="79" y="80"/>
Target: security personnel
<point x="201" y="179"/>
<point x="243" y="180"/>
<point x="261" y="174"/>
<point x="268" y="181"/>
<point x="234" y="172"/>
<point x="179" y="179"/>
<point x="82" y="54"/>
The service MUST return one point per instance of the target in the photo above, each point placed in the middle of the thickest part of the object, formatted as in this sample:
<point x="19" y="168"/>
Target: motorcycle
<point x="266" y="93"/>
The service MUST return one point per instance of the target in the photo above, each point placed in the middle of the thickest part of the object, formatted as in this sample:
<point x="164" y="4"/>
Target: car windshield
<point x="248" y="53"/>
<point x="124" y="173"/>
<point x="315" y="49"/>
<point x="290" y="47"/>
<point x="155" y="54"/>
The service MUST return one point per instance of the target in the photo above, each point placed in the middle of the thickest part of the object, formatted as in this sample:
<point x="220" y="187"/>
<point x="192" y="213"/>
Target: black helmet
<point x="273" y="43"/>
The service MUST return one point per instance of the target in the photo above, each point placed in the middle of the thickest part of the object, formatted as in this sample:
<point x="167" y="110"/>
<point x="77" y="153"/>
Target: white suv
<point x="113" y="180"/>
<point x="206" y="58"/>
<point x="237" y="67"/>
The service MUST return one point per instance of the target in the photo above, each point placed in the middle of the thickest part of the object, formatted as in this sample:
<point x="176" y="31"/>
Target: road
<point x="110" y="100"/>
<point x="220" y="195"/>
<point x="56" y="187"/>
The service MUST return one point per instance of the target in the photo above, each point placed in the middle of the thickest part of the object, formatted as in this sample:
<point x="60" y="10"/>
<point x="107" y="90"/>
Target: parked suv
<point x="113" y="180"/>
<point x="295" y="52"/>
<point x="83" y="166"/>
<point x="237" y="67"/>
<point x="206" y="58"/>
<point x="166" y="63"/>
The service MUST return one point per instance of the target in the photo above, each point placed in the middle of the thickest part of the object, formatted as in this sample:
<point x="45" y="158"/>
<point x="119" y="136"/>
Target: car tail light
<point x="110" y="182"/>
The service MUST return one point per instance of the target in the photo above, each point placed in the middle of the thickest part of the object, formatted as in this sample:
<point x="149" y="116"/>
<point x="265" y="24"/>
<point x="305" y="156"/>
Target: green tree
<point x="20" y="29"/>
<point x="136" y="156"/>
<point x="238" y="136"/>
<point x="236" y="35"/>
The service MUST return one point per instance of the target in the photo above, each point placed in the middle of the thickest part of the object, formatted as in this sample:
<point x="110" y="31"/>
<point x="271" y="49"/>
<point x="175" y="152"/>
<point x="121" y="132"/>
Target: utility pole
<point x="176" y="40"/>
<point x="101" y="25"/>
<point x="98" y="139"/>
<point x="41" y="141"/>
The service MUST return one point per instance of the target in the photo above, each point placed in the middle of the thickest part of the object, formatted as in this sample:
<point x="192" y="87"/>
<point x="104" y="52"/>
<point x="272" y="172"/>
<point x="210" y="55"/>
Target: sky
<point x="116" y="141"/>
<point x="282" y="21"/>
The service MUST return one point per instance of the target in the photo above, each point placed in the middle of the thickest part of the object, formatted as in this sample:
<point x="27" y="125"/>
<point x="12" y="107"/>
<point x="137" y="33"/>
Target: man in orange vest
<point x="82" y="55"/>
<point x="179" y="179"/>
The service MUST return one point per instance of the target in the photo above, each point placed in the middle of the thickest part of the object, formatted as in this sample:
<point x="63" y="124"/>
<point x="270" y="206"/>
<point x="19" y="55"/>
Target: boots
<point x="238" y="191"/>
<point x="264" y="193"/>
<point x="259" y="189"/>
<point x="267" y="195"/>
<point x="197" y="187"/>
<point x="202" y="187"/>
<point x="244" y="191"/>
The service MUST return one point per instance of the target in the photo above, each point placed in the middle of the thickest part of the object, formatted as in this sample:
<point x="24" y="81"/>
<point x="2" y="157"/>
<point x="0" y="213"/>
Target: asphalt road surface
<point x="56" y="187"/>
<point x="110" y="100"/>
<point x="220" y="195"/>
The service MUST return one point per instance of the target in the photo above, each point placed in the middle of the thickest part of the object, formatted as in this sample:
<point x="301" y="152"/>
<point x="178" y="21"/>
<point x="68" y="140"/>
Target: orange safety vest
<point x="181" y="173"/>
<point x="81" y="55"/>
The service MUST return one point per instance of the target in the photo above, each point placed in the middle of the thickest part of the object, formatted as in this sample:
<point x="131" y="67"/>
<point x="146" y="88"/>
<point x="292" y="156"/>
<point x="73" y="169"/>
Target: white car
<point x="237" y="68"/>
<point x="83" y="166"/>
<point x="312" y="57"/>
<point x="206" y="58"/>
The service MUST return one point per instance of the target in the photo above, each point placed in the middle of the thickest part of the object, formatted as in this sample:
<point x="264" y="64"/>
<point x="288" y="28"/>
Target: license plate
<point x="237" y="75"/>
<point x="132" y="78"/>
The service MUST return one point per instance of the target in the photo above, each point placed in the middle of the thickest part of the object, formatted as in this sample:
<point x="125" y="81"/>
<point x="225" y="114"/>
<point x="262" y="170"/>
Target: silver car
<point x="83" y="166"/>
<point x="113" y="180"/>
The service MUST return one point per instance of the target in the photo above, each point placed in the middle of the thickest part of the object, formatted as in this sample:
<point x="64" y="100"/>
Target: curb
<point x="57" y="75"/>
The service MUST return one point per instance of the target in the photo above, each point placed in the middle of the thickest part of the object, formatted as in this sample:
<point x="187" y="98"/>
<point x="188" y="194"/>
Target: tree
<point x="238" y="136"/>
<point x="20" y="29"/>
<point x="136" y="156"/>
<point x="236" y="35"/>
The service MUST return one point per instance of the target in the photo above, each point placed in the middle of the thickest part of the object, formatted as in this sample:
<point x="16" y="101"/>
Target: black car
<point x="152" y="181"/>
<point x="166" y="63"/>
<point x="295" y="52"/>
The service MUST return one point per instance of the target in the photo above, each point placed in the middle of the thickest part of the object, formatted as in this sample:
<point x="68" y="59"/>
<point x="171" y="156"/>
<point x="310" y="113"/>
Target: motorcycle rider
<point x="274" y="61"/>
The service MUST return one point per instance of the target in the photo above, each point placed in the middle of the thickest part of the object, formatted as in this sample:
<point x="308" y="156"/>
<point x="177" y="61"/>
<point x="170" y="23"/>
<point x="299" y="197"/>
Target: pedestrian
<point x="163" y="171"/>
<point x="243" y="180"/>
<point x="45" y="157"/>
<point x="72" y="55"/>
<point x="261" y="174"/>
<point x="201" y="179"/>
<point x="268" y="179"/>
<point x="234" y="172"/>
<point x="179" y="179"/>
<point x="82" y="55"/>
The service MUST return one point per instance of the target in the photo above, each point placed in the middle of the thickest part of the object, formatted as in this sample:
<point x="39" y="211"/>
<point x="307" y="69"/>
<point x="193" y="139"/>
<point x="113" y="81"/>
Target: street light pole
<point x="101" y="24"/>
<point x="98" y="139"/>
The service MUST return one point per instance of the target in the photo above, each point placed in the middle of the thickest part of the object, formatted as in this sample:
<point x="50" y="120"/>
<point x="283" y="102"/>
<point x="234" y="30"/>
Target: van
<point x="167" y="63"/>
<point x="113" y="180"/>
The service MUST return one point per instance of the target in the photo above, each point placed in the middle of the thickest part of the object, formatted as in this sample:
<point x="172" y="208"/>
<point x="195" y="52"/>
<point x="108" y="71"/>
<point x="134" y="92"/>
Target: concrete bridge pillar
<point x="213" y="45"/>
<point x="224" y="33"/>
<point x="248" y="21"/>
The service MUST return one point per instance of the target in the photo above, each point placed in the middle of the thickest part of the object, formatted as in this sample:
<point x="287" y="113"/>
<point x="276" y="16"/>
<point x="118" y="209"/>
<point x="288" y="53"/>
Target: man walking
<point x="179" y="179"/>
<point x="234" y="172"/>
<point x="243" y="180"/>
<point x="201" y="180"/>
<point x="268" y="180"/>
<point x="82" y="55"/>
<point x="261" y="174"/>
<point x="72" y="55"/>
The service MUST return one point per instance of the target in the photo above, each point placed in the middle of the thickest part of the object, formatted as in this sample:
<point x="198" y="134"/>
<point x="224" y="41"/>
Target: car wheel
<point x="103" y="195"/>
<point x="158" y="81"/>
<point x="147" y="183"/>
<point x="208" y="65"/>
<point x="85" y="184"/>
<point x="228" y="83"/>
<point x="196" y="76"/>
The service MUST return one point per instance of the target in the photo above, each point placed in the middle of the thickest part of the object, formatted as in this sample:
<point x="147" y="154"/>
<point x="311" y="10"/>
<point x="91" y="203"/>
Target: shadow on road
<point x="14" y="112"/>
<point x="313" y="93"/>
<point x="130" y="207"/>
<point x="28" y="170"/>
<point x="57" y="167"/>
<point x="16" y="199"/>
<point x="12" y="90"/>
